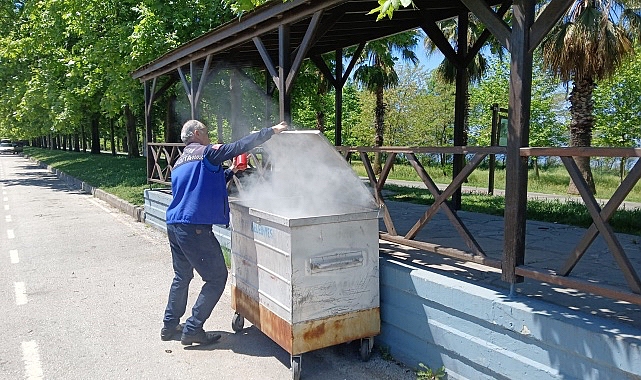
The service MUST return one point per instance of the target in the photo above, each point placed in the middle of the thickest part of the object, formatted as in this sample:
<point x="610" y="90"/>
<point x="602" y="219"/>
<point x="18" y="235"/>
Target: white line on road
<point x="7" y="218"/>
<point x="14" y="256"/>
<point x="31" y="358"/>
<point x="5" y="199"/>
<point x="21" y="293"/>
<point x="10" y="234"/>
<point x="6" y="207"/>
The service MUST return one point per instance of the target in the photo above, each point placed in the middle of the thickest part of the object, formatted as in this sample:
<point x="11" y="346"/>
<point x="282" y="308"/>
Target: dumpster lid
<point x="305" y="177"/>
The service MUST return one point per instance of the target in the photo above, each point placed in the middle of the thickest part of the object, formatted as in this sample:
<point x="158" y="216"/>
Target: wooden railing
<point x="163" y="156"/>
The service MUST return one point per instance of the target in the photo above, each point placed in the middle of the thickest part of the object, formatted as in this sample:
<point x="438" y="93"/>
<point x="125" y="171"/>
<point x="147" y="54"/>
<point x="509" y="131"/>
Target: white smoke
<point x="305" y="176"/>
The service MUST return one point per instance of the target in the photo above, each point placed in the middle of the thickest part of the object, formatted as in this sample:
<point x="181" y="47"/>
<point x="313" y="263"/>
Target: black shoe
<point x="201" y="337"/>
<point x="167" y="333"/>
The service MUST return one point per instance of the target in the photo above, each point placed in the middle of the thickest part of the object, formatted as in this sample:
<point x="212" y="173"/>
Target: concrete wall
<point x="476" y="332"/>
<point x="156" y="202"/>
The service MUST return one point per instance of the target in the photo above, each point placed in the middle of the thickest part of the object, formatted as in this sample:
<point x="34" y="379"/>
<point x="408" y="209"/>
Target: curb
<point x="135" y="212"/>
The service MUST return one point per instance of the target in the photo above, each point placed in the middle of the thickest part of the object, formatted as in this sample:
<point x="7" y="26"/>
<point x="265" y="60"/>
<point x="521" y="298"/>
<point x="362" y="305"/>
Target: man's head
<point x="194" y="131"/>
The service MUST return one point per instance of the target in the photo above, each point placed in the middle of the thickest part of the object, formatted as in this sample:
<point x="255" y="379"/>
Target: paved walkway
<point x="547" y="247"/>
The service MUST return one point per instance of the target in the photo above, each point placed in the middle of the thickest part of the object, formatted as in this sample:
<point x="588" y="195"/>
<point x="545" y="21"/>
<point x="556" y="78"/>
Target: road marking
<point x="6" y="199"/>
<point x="21" y="293"/>
<point x="14" y="256"/>
<point x="7" y="218"/>
<point x="6" y="207"/>
<point x="31" y="358"/>
<point x="10" y="234"/>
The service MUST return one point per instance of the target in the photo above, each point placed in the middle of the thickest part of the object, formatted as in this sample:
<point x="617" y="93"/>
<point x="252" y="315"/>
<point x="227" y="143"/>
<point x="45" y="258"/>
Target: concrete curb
<point x="136" y="212"/>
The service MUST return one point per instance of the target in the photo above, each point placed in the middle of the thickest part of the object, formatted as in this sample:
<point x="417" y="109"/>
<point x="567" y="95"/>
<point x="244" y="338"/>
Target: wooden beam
<point x="435" y="34"/>
<point x="267" y="60"/>
<point x="606" y="213"/>
<point x="352" y="62"/>
<point x="518" y="137"/>
<point x="322" y="66"/>
<point x="338" y="100"/>
<point x="546" y="21"/>
<point x="203" y="79"/>
<point x="604" y="228"/>
<point x="252" y="25"/>
<point x="302" y="50"/>
<point x="492" y="21"/>
<point x="478" y="44"/>
<point x="284" y="64"/>
<point x="185" y="83"/>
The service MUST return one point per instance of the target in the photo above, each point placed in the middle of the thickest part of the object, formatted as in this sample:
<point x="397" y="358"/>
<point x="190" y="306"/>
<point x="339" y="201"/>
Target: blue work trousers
<point x="194" y="246"/>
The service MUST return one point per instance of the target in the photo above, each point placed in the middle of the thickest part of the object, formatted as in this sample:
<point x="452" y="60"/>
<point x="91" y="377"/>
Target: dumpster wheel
<point x="237" y="322"/>
<point x="296" y="366"/>
<point x="366" y="348"/>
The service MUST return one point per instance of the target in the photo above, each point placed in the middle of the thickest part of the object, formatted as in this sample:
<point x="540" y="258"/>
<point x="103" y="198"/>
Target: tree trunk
<point x="581" y="110"/>
<point x="113" y="137"/>
<point x="132" y="136"/>
<point x="172" y="129"/>
<point x="320" y="121"/>
<point x="76" y="142"/>
<point x="379" y="126"/>
<point x="95" y="133"/>
<point x="219" y="128"/>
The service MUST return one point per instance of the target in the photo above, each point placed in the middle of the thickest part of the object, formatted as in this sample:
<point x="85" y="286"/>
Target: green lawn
<point x="126" y="178"/>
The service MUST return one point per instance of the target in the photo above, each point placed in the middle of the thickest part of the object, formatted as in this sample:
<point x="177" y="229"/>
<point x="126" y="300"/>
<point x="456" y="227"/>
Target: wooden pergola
<point x="278" y="37"/>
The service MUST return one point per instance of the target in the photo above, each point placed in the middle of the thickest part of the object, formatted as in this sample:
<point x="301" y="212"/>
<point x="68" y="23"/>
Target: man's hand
<point x="278" y="128"/>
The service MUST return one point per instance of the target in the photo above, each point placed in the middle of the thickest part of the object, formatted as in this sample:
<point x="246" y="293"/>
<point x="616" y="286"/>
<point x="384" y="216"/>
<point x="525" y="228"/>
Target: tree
<point x="618" y="110"/>
<point x="548" y="107"/>
<point x="588" y="45"/>
<point x="376" y="72"/>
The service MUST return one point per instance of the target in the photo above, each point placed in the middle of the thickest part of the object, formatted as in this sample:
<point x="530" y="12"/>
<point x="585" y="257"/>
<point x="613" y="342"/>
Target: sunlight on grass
<point x="126" y="178"/>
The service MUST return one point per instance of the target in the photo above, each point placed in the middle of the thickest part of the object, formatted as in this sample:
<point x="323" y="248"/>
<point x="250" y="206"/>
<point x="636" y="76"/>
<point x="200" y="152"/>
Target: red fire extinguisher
<point x="240" y="161"/>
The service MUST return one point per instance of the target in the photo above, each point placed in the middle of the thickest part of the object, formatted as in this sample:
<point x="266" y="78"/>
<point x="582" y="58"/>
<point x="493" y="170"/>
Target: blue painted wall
<point x="477" y="333"/>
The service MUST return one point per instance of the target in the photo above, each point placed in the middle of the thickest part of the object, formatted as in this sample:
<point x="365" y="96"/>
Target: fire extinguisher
<point x="240" y="161"/>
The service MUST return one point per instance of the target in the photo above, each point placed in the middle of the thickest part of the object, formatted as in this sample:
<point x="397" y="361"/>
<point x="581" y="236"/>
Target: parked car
<point x="18" y="148"/>
<point x="6" y="148"/>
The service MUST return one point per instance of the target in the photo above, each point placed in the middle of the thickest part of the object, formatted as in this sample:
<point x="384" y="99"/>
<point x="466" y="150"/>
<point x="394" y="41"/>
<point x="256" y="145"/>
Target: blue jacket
<point x="199" y="181"/>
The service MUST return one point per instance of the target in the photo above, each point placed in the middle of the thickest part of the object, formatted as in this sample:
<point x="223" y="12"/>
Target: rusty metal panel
<point x="312" y="335"/>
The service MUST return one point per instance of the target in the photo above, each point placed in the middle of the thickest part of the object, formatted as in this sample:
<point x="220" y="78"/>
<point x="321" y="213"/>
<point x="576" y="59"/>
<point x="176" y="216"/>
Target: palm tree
<point x="588" y="45"/>
<point x="376" y="73"/>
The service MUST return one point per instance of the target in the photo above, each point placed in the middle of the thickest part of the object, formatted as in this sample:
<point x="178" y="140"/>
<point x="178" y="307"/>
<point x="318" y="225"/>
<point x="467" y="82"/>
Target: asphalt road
<point x="83" y="289"/>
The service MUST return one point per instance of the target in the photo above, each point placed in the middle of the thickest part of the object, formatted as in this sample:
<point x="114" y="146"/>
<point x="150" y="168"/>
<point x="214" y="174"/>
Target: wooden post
<point x="517" y="137"/>
<point x="149" y="99"/>
<point x="493" y="142"/>
<point x="284" y="64"/>
<point x="460" y="103"/>
<point x="338" y="138"/>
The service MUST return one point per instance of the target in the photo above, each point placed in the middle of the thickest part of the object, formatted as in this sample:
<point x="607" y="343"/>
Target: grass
<point x="551" y="180"/>
<point x="126" y="178"/>
<point x="121" y="176"/>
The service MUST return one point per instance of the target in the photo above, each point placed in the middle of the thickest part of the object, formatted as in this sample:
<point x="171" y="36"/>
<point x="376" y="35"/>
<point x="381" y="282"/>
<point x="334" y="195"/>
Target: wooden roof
<point x="341" y="24"/>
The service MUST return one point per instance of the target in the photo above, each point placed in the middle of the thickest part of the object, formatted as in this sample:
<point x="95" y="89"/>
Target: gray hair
<point x="187" y="133"/>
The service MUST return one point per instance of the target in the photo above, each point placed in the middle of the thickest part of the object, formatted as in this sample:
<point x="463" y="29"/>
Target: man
<point x="198" y="183"/>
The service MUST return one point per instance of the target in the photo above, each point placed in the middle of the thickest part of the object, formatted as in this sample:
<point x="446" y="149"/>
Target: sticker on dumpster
<point x="265" y="231"/>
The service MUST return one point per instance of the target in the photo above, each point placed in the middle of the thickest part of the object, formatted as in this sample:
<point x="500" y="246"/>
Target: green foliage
<point x="549" y="115"/>
<point x="386" y="8"/>
<point x="420" y="110"/>
<point x="617" y="107"/>
<point x="426" y="373"/>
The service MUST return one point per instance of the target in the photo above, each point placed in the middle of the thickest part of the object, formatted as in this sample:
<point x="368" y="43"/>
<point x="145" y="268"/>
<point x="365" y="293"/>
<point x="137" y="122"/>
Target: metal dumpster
<point x="307" y="281"/>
